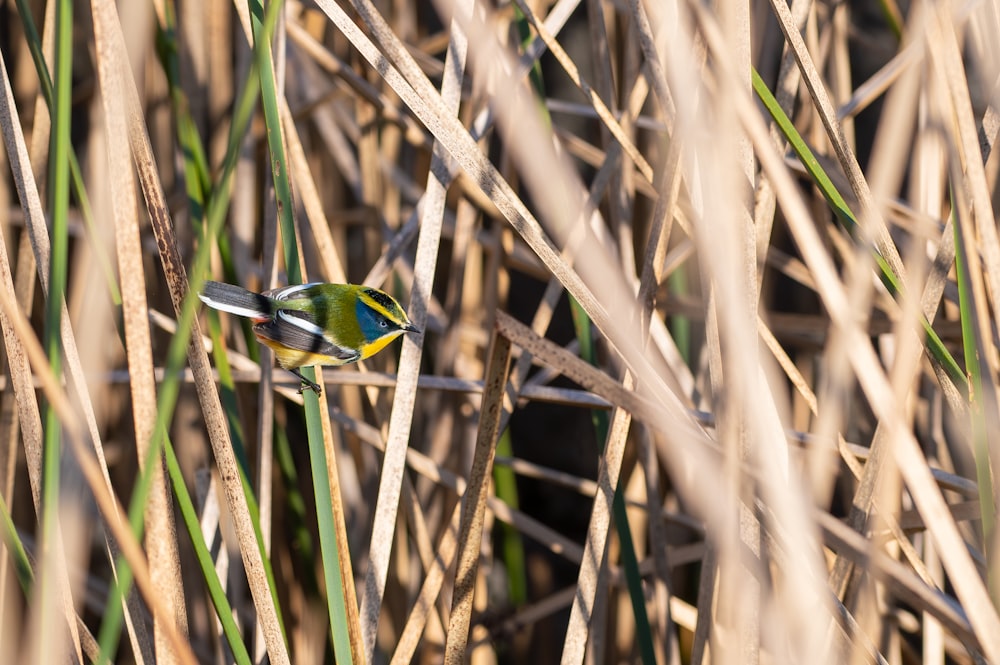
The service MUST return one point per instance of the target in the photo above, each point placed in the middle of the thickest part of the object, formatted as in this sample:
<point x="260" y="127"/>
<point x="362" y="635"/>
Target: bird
<point x="315" y="323"/>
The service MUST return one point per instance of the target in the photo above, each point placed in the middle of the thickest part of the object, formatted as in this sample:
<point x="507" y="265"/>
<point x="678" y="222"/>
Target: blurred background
<point x="750" y="414"/>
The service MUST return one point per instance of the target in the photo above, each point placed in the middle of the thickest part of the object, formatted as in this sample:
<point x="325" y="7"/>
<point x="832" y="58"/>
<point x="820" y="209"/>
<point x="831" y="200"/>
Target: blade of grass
<point x="337" y="505"/>
<point x="19" y="557"/>
<point x="112" y="511"/>
<point x="272" y="118"/>
<point x="912" y="464"/>
<point x="215" y="216"/>
<point x="110" y="631"/>
<point x="204" y="555"/>
<point x="198" y="186"/>
<point x="184" y="299"/>
<point x="91" y="469"/>
<point x="42" y="247"/>
<point x="875" y="225"/>
<point x="334" y="559"/>
<point x="11" y="428"/>
<point x="935" y="346"/>
<point x="511" y="542"/>
<point x="982" y="255"/>
<point x="604" y="431"/>
<point x="58" y="269"/>
<point x="345" y="648"/>
<point x="971" y="300"/>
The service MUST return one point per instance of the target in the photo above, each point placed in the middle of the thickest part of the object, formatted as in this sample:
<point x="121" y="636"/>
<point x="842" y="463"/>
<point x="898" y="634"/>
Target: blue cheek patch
<point x="368" y="322"/>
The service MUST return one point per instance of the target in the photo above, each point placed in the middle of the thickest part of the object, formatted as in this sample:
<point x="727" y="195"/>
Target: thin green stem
<point x="205" y="561"/>
<point x="331" y="554"/>
<point x="59" y="148"/>
<point x="843" y="212"/>
<point x="19" y="556"/>
<point x="977" y="414"/>
<point x="512" y="545"/>
<point x="630" y="561"/>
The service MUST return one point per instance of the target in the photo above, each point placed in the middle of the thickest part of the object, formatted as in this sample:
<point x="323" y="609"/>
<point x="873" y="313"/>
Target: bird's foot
<point x="307" y="384"/>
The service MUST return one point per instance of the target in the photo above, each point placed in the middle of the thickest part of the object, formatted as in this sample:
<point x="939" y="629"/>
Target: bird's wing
<point x="294" y="330"/>
<point x="288" y="292"/>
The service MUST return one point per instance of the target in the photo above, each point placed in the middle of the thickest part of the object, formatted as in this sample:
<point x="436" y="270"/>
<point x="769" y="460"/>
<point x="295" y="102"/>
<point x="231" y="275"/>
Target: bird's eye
<point x="383" y="323"/>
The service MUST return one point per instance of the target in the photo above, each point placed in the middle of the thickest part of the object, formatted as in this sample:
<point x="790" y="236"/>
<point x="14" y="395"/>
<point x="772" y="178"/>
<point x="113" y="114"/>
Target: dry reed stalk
<point x="470" y="530"/>
<point x="174" y="270"/>
<point x="409" y="366"/>
<point x="791" y="475"/>
<point x="161" y="540"/>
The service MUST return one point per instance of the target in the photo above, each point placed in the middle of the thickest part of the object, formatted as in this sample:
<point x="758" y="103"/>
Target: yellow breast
<point x="293" y="358"/>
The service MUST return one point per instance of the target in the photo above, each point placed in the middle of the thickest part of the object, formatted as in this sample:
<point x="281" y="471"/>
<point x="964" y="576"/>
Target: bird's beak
<point x="409" y="327"/>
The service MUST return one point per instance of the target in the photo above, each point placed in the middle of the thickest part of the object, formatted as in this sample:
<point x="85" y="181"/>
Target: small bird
<point x="315" y="324"/>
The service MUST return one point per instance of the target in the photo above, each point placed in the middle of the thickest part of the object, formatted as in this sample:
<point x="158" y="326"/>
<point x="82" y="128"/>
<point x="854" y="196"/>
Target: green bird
<point x="317" y="323"/>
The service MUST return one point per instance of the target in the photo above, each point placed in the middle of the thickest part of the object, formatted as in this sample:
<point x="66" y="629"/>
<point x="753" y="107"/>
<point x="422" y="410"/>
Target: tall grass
<point x="709" y="362"/>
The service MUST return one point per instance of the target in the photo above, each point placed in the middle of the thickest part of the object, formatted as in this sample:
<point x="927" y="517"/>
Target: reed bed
<point x="709" y="362"/>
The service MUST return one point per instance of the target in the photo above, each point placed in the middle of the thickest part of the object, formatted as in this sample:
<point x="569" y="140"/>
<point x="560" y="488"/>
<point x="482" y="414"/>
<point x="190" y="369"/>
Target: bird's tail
<point x="236" y="300"/>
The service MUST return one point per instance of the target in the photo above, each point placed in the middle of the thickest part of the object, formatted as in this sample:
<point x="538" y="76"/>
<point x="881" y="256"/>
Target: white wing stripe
<point x="299" y="322"/>
<point x="287" y="292"/>
<point x="233" y="309"/>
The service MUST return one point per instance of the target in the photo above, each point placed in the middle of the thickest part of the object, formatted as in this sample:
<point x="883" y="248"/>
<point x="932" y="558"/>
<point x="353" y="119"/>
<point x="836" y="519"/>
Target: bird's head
<point x="380" y="318"/>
